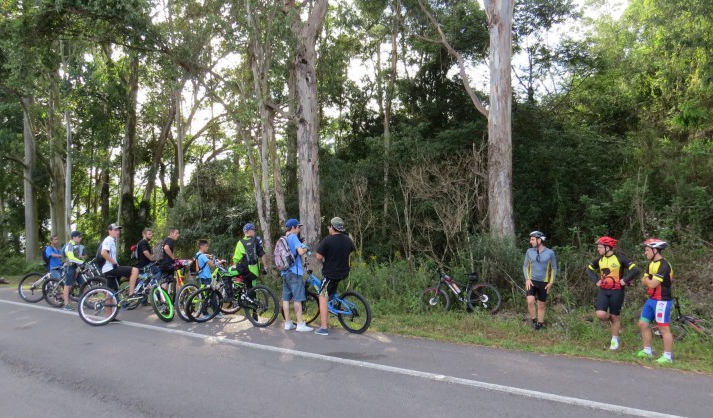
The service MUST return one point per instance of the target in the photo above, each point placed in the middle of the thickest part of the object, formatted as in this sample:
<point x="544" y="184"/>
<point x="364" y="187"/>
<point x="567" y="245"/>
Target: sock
<point x="668" y="355"/>
<point x="615" y="338"/>
<point x="648" y="350"/>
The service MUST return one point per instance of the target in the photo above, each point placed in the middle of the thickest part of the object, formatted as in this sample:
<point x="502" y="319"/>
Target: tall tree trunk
<point x="307" y="116"/>
<point x="127" y="207"/>
<point x="32" y="237"/>
<point x="58" y="214"/>
<point x="500" y="208"/>
<point x="68" y="159"/>
<point x="396" y="7"/>
<point x="180" y="136"/>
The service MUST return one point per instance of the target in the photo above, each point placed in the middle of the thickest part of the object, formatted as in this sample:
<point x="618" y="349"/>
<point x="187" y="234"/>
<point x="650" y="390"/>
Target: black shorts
<point x="328" y="288"/>
<point x="611" y="300"/>
<point x="538" y="290"/>
<point x="113" y="276"/>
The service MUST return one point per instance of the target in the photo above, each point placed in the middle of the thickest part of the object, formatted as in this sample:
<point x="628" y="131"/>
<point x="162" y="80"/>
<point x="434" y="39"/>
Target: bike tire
<point x="203" y="304"/>
<point x="30" y="287"/>
<point x="310" y="307"/>
<point x="260" y="306"/>
<point x="484" y="297"/>
<point x="77" y="291"/>
<point x="701" y="326"/>
<point x="356" y="317"/>
<point x="182" y="298"/>
<point x="162" y="304"/>
<point x="53" y="290"/>
<point x="98" y="306"/>
<point x="678" y="330"/>
<point x="434" y="299"/>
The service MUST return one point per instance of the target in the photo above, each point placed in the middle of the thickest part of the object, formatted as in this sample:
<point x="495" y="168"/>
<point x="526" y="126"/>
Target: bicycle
<point x="53" y="289"/>
<point x="351" y="308"/>
<point x="476" y="296"/>
<point x="260" y="302"/>
<point x="682" y="323"/>
<point x="31" y="284"/>
<point x="100" y="305"/>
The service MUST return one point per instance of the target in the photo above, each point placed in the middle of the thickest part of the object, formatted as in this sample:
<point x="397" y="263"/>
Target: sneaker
<point x="220" y="315"/>
<point x="664" y="360"/>
<point x="644" y="354"/>
<point x="68" y="307"/>
<point x="538" y="326"/>
<point x="135" y="296"/>
<point x="302" y="327"/>
<point x="289" y="326"/>
<point x="614" y="345"/>
<point x="321" y="331"/>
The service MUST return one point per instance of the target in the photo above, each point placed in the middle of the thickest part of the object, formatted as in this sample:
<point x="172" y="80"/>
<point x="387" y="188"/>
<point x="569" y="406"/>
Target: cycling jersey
<point x="540" y="266"/>
<point x="612" y="270"/>
<point x="661" y="271"/>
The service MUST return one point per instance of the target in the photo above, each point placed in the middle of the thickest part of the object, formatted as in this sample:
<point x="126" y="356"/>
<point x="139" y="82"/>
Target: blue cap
<point x="248" y="227"/>
<point x="291" y="223"/>
<point x="76" y="234"/>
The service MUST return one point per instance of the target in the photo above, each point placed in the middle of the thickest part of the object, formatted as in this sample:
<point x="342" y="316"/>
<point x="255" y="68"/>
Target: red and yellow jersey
<point x="611" y="270"/>
<point x="661" y="271"/>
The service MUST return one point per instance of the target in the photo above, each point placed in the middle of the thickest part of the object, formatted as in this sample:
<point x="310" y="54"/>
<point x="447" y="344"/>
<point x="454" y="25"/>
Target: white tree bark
<point x="32" y="237"/>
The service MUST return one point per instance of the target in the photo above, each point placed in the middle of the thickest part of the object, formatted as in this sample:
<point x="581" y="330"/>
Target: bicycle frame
<point x="316" y="283"/>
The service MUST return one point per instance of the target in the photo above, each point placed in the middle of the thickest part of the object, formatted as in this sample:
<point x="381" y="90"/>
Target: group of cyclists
<point x="611" y="272"/>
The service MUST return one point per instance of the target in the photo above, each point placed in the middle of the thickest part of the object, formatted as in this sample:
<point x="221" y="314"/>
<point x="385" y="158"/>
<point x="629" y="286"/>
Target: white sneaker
<point x="289" y="326"/>
<point x="302" y="327"/>
<point x="614" y="345"/>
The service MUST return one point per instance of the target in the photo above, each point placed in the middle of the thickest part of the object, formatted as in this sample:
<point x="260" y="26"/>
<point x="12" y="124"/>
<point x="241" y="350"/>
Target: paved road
<point x="52" y="363"/>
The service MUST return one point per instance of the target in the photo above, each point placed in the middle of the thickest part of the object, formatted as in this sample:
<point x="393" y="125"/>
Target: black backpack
<point x="99" y="260"/>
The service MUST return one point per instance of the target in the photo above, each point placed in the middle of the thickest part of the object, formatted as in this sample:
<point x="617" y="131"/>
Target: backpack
<point x="45" y="257"/>
<point x="98" y="259"/>
<point x="135" y="251"/>
<point x="284" y="259"/>
<point x="194" y="266"/>
<point x="158" y="253"/>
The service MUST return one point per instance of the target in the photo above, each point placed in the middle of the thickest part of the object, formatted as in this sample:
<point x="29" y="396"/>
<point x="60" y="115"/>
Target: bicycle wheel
<point x="182" y="298"/>
<point x="203" y="304"/>
<point x="484" y="297"/>
<point x="30" y="287"/>
<point x="232" y="305"/>
<point x="77" y="291"/>
<point x="434" y="299"/>
<point x="310" y="307"/>
<point x="98" y="306"/>
<point x="260" y="305"/>
<point x="124" y="293"/>
<point x="53" y="290"/>
<point x="162" y="305"/>
<point x="678" y="330"/>
<point x="354" y="312"/>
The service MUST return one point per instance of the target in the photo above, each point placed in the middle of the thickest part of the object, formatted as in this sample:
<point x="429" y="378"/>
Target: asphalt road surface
<point x="52" y="364"/>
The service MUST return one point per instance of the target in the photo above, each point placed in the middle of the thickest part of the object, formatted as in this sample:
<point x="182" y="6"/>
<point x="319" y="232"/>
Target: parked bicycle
<point x="681" y="325"/>
<point x="100" y="305"/>
<point x="260" y="302"/>
<point x="475" y="296"/>
<point x="31" y="285"/>
<point x="34" y="287"/>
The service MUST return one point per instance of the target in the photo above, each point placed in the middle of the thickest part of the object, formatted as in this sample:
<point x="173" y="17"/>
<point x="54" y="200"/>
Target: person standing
<point x="333" y="252"/>
<point x="111" y="268"/>
<point x="657" y="280"/>
<point x="293" y="286"/>
<point x="168" y="261"/>
<point x="611" y="273"/>
<point x="54" y="255"/>
<point x="249" y="256"/>
<point x="540" y="270"/>
<point x="72" y="262"/>
<point x="205" y="268"/>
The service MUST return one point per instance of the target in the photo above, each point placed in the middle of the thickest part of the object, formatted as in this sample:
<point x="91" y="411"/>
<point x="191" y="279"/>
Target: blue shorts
<point x="70" y="274"/>
<point x="56" y="274"/>
<point x="293" y="287"/>
<point x="658" y="311"/>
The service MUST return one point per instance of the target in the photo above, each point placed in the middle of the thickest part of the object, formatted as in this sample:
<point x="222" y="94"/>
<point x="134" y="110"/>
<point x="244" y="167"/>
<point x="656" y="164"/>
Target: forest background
<point x="187" y="113"/>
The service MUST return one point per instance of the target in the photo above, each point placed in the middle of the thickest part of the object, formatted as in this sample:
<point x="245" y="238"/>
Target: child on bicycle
<point x="205" y="265"/>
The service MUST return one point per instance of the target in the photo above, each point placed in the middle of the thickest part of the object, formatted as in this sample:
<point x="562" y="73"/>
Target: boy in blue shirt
<point x="205" y="265"/>
<point x="293" y="285"/>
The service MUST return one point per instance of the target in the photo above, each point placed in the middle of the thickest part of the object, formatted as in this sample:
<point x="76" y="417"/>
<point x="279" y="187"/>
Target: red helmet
<point x="608" y="241"/>
<point x="656" y="243"/>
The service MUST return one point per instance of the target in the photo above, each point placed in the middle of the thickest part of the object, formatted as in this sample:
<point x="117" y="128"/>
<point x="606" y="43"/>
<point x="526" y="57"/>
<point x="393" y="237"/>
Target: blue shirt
<point x="204" y="274"/>
<point x="294" y="243"/>
<point x="54" y="261"/>
<point x="540" y="267"/>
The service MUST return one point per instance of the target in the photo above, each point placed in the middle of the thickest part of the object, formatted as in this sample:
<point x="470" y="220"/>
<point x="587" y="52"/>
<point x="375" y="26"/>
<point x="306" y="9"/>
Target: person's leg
<point x="647" y="317"/>
<point x="531" y="308"/>
<point x="663" y="315"/>
<point x="69" y="281"/>
<point x="541" y="311"/>
<point x="132" y="279"/>
<point x="286" y="298"/>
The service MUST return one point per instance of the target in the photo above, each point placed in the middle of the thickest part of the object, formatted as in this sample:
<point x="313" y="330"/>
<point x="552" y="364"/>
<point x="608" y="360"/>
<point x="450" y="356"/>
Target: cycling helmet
<point x="538" y="234"/>
<point x="656" y="243"/>
<point x="607" y="241"/>
<point x="248" y="227"/>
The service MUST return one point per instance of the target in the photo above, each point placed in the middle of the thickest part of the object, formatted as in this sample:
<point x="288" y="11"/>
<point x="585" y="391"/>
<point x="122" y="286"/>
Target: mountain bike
<point x="681" y="325"/>
<point x="260" y="302"/>
<point x="100" y="305"/>
<point x="476" y="296"/>
<point x="351" y="308"/>
<point x="53" y="289"/>
<point x="31" y="284"/>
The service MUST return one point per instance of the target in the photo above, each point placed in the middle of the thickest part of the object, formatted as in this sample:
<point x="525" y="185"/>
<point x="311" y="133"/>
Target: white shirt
<point x="109" y="244"/>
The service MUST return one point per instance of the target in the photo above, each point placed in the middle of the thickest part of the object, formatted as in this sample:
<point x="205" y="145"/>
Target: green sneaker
<point x="664" y="360"/>
<point x="644" y="354"/>
<point x="614" y="345"/>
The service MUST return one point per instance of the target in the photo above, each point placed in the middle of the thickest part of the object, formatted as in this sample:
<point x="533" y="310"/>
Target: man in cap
<point x="72" y="262"/>
<point x="333" y="252"/>
<point x="248" y="256"/>
<point x="293" y="286"/>
<point x="111" y="268"/>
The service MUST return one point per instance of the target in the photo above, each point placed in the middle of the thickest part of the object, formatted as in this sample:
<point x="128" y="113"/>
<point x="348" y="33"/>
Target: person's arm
<point x="69" y="252"/>
<point x="592" y="269"/>
<point x="238" y="253"/>
<point x="168" y="252"/>
<point x="319" y="257"/>
<point x="147" y="251"/>
<point x="107" y="257"/>
<point x="634" y="271"/>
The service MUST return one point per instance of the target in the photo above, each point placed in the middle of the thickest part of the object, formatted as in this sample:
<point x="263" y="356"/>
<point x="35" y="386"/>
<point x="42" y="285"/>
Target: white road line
<point x="616" y="409"/>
